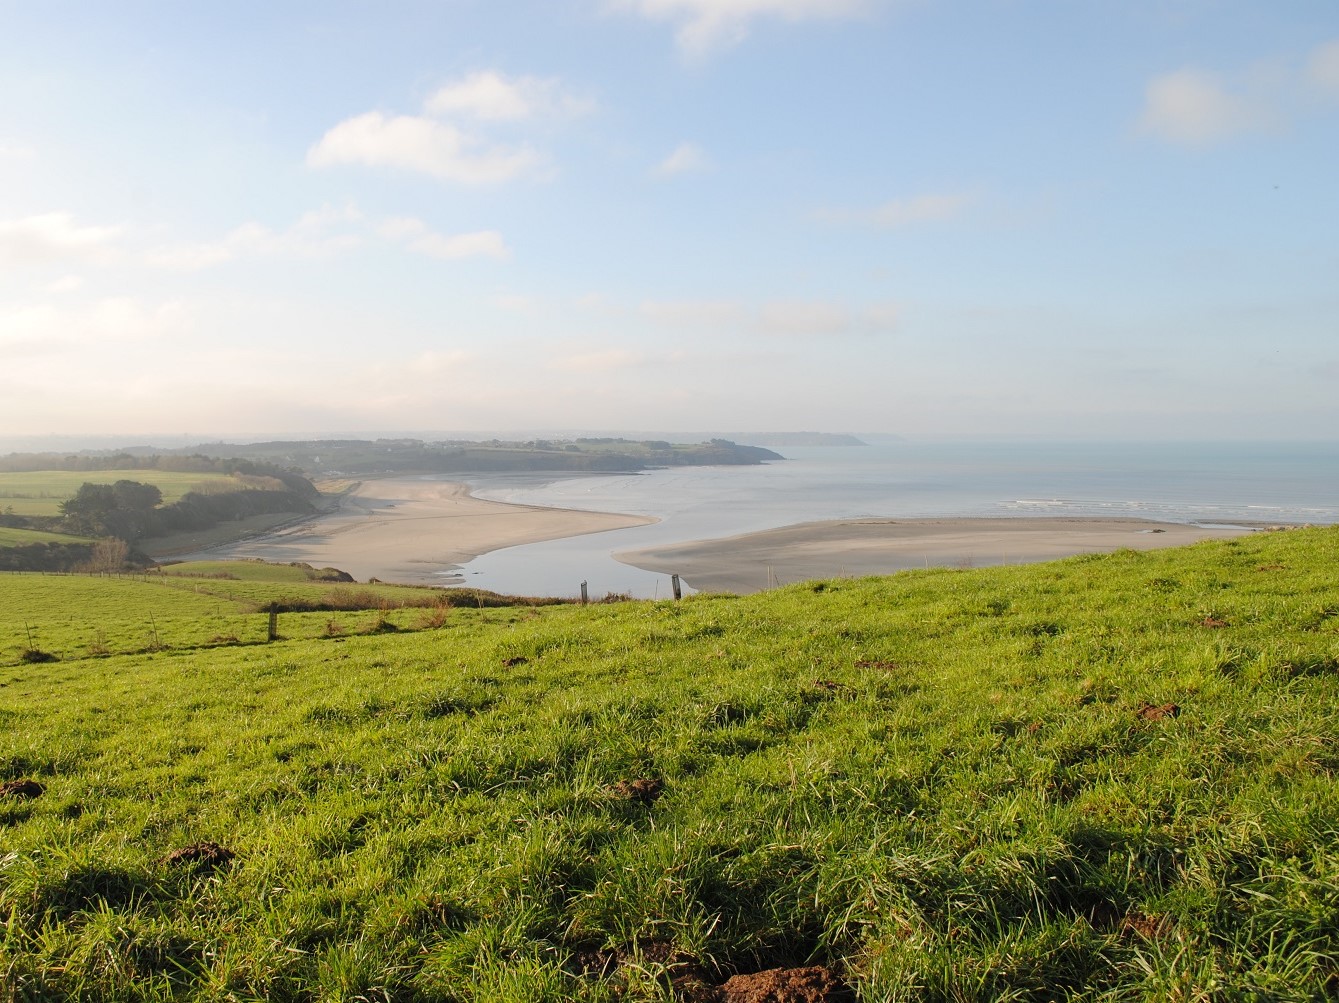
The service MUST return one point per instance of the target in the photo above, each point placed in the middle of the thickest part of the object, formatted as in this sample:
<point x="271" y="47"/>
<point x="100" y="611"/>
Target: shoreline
<point x="752" y="562"/>
<point x="413" y="531"/>
<point x="420" y="531"/>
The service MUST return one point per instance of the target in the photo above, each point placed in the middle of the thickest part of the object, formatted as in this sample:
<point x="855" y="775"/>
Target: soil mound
<point x="1158" y="712"/>
<point x="204" y="854"/>
<point x="814" y="984"/>
<point x="22" y="789"/>
<point x="645" y="789"/>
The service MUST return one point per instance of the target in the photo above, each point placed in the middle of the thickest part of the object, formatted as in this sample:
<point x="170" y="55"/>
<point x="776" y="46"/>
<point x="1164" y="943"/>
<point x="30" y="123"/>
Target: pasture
<point x="1114" y="777"/>
<point x="41" y="492"/>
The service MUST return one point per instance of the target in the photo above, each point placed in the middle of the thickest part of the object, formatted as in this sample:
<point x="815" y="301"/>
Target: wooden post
<point x="584" y="598"/>
<point x="274" y="626"/>
<point x="674" y="584"/>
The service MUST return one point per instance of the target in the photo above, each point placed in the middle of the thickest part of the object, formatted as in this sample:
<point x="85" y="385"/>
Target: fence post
<point x="274" y="625"/>
<point x="584" y="598"/>
<point x="674" y="584"/>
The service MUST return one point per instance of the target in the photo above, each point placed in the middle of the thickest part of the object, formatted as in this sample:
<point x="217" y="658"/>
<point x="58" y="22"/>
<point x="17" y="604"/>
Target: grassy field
<point x="1107" y="778"/>
<point x="22" y="537"/>
<point x="41" y="492"/>
<point x="204" y="604"/>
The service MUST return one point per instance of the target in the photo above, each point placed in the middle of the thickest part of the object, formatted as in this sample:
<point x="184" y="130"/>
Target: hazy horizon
<point x="1109" y="221"/>
<point x="107" y="442"/>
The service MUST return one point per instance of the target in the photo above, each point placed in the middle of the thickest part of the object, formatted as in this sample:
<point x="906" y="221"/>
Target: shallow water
<point x="1207" y="483"/>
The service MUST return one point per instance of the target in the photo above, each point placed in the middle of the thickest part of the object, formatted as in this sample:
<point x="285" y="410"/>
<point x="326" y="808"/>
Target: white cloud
<point x="603" y="361"/>
<point x="1322" y="68"/>
<point x="65" y="284"/>
<point x="17" y="153"/>
<point x="516" y="303"/>
<point x="302" y="240"/>
<point x="686" y="158"/>
<point x="440" y="363"/>
<point x="696" y="315"/>
<point x="594" y="302"/>
<point x="481" y="244"/>
<point x="1193" y="108"/>
<point x="424" y="145"/>
<point x="492" y="97"/>
<point x="308" y="238"/>
<point x="707" y="25"/>
<point x="779" y="317"/>
<point x="901" y="212"/>
<point x="401" y="227"/>
<point x="419" y="237"/>
<point x="46" y="329"/>
<point x="55" y="236"/>
<point x="804" y="319"/>
<point x="881" y="318"/>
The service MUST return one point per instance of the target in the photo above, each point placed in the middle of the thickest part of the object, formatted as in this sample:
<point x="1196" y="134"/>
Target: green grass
<point x="940" y="784"/>
<point x="22" y="537"/>
<point x="41" y="492"/>
<point x="245" y="570"/>
<point x="78" y="616"/>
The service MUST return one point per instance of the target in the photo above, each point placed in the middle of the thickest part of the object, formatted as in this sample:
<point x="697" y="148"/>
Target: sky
<point x="1111" y="219"/>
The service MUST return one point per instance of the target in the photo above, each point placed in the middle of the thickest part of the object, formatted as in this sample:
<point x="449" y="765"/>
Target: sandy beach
<point x="756" y="561"/>
<point x="417" y="531"/>
<point x="411" y="530"/>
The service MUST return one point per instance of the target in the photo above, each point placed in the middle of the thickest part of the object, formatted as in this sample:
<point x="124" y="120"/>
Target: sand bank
<point x="755" y="561"/>
<point x="411" y="530"/>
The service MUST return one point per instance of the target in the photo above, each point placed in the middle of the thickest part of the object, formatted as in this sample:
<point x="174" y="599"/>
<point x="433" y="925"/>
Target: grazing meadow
<point x="40" y="492"/>
<point x="1112" y="777"/>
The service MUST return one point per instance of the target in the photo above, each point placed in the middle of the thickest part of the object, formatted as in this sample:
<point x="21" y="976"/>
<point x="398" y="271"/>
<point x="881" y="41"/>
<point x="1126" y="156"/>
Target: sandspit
<point x="756" y="561"/>
<point x="412" y="530"/>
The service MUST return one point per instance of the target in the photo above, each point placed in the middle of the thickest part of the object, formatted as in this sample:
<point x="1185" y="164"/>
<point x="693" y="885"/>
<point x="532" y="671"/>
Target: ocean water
<point x="1204" y="483"/>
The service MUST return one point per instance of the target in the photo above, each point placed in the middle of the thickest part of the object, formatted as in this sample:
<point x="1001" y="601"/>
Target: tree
<point x="109" y="555"/>
<point x="124" y="509"/>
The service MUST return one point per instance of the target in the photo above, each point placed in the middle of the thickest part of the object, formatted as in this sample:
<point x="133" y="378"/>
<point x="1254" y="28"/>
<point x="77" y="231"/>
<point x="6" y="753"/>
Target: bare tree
<point x="109" y="555"/>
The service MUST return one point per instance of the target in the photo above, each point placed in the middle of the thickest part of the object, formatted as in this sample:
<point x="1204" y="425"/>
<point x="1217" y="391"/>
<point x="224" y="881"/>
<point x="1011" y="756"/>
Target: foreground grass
<point x="1107" y="778"/>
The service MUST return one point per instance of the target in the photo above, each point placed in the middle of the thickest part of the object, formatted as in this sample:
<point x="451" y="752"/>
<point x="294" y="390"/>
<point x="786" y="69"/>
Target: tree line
<point x="131" y="511"/>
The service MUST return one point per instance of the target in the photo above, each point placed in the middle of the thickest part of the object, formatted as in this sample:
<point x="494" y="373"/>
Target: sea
<point x="1207" y="483"/>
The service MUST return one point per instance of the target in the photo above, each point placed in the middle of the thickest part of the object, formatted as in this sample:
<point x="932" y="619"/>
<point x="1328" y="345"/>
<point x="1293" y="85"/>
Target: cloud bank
<point x="705" y="26"/>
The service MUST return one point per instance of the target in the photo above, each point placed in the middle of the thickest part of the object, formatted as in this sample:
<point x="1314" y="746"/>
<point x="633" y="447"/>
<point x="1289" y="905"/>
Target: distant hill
<point x="798" y="439"/>
<point x="362" y="458"/>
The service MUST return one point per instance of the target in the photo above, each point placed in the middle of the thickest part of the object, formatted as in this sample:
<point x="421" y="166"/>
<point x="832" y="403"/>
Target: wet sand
<point x="411" y="530"/>
<point x="851" y="548"/>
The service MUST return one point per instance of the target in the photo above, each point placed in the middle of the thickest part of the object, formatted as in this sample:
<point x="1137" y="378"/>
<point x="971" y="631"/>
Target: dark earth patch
<point x="644" y="789"/>
<point x="205" y="854"/>
<point x="813" y="984"/>
<point x="1158" y="712"/>
<point x="22" y="789"/>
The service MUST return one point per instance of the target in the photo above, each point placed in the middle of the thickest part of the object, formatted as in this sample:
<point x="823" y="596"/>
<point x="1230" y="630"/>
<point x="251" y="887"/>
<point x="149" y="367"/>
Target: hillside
<point x="1107" y="778"/>
<point x="364" y="458"/>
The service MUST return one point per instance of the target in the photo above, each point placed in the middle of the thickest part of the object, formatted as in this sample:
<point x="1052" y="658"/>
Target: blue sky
<point x="1101" y="219"/>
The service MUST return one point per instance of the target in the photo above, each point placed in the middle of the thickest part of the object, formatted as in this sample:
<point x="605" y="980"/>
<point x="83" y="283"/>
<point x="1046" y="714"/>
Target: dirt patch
<point x="886" y="666"/>
<point x="1158" y="712"/>
<point x="1213" y="622"/>
<point x="832" y="686"/>
<point x="22" y="789"/>
<point x="204" y="854"/>
<point x="644" y="789"/>
<point x="1150" y="927"/>
<point x="511" y="663"/>
<point x="814" y="984"/>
